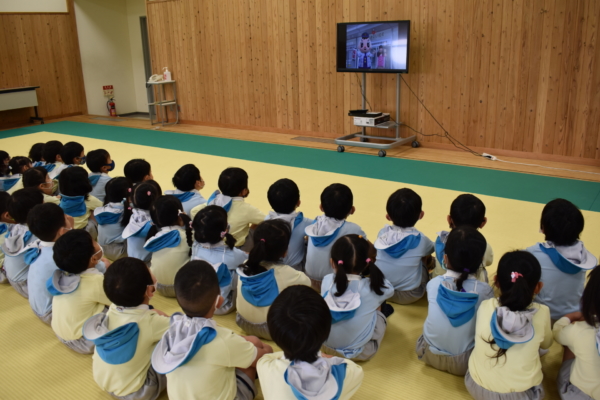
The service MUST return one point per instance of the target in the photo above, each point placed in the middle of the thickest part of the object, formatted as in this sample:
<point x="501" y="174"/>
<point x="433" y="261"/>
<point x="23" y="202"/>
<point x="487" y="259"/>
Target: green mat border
<point x="510" y="185"/>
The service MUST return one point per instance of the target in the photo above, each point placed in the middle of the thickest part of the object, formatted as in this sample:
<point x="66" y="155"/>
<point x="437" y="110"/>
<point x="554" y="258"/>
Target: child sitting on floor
<point x="284" y="198"/>
<point x="71" y="154"/>
<point x="449" y="330"/>
<point x="299" y="321"/>
<point x="140" y="222"/>
<point x="47" y="222"/>
<point x="36" y="156"/>
<point x="578" y="333"/>
<point x="355" y="293"/>
<point x="169" y="240"/>
<point x="5" y="221"/>
<point x="466" y="210"/>
<point x="100" y="164"/>
<point x="77" y="287"/>
<point x="336" y="203"/>
<point x="213" y="243"/>
<point x="402" y="250"/>
<point x="113" y="217"/>
<point x="233" y="189"/>
<point x="127" y="334"/>
<point x="54" y="163"/>
<point x="201" y="359"/>
<point x="17" y="246"/>
<point x="18" y="166"/>
<point x="188" y="182"/>
<point x="563" y="257"/>
<point x="138" y="171"/>
<point x="511" y="329"/>
<point x="76" y="200"/>
<point x="263" y="277"/>
<point x="38" y="178"/>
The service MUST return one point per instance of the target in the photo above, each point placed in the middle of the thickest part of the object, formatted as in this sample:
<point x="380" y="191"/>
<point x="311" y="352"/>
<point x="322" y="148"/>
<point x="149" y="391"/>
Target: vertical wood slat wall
<point x="520" y="75"/>
<point x="42" y="50"/>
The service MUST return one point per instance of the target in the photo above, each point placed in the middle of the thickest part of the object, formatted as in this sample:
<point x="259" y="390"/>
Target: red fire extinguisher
<point x="110" y="105"/>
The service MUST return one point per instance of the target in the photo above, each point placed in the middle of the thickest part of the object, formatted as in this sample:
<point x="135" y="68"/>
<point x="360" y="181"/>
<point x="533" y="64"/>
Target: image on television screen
<point x="373" y="47"/>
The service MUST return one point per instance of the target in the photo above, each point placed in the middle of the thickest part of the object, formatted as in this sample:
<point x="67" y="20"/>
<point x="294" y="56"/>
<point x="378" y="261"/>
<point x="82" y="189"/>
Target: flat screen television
<point x="373" y="46"/>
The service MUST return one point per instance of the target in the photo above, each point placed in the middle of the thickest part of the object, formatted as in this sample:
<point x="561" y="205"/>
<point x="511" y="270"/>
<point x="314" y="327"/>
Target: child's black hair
<point x="34" y="177"/>
<point x="35" y="153"/>
<point x="186" y="177"/>
<point x="353" y="254"/>
<point x="4" y="200"/>
<point x="51" y="150"/>
<point x="196" y="288"/>
<point x="126" y="281"/>
<point x="74" y="181"/>
<point x="562" y="222"/>
<point x="404" y="207"/>
<point x="271" y="239"/>
<point x="118" y="190"/>
<point x="166" y="211"/>
<point x="299" y="322"/>
<point x="233" y="181"/>
<point x="45" y="220"/>
<point x="96" y="159"/>
<point x="590" y="301"/>
<point x="136" y="170"/>
<point x="467" y="210"/>
<point x="4" y="171"/>
<point x="144" y="194"/>
<point x="337" y="201"/>
<point x="21" y="202"/>
<point x="18" y="163"/>
<point x="209" y="225"/>
<point x="70" y="152"/>
<point x="284" y="196"/>
<point x="465" y="248"/>
<point x="517" y="295"/>
<point x="73" y="251"/>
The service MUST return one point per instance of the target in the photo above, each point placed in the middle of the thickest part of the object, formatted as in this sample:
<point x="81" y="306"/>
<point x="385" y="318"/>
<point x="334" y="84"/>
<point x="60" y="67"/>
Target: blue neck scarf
<point x="560" y="262"/>
<point x="439" y="251"/>
<point x="337" y="371"/>
<point x="73" y="206"/>
<point x="459" y="307"/>
<point x="114" y="347"/>
<point x="223" y="275"/>
<point x="162" y="241"/>
<point x="8" y="183"/>
<point x="94" y="179"/>
<point x="183" y="197"/>
<point x="260" y="290"/>
<point x="408" y="243"/>
<point x="49" y="167"/>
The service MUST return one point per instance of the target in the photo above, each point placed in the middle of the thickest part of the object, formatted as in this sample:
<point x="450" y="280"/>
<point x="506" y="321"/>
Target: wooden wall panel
<point x="515" y="75"/>
<point x="42" y="50"/>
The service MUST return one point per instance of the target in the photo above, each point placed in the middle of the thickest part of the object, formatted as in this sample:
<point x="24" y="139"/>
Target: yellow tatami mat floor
<point x="35" y="365"/>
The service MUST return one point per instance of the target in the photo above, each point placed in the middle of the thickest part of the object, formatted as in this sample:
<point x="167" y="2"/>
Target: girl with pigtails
<point x="263" y="276"/>
<point x="214" y="244"/>
<point x="355" y="293"/>
<point x="169" y="240"/>
<point x="454" y="298"/>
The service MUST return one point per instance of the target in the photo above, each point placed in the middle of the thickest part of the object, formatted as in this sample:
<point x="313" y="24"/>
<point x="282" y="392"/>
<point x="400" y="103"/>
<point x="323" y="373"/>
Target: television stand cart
<point x="362" y="135"/>
<point x="162" y="102"/>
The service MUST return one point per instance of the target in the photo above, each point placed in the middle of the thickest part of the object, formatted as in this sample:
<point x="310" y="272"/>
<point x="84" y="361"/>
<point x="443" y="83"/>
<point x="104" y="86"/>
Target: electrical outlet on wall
<point x="108" y="90"/>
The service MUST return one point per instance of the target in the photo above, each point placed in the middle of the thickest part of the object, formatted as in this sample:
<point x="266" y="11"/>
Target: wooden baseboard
<point x="20" y="124"/>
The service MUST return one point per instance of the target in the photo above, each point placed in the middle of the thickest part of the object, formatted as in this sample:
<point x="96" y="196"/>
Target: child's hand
<point x="255" y="341"/>
<point x="267" y="349"/>
<point x="575" y="316"/>
<point x="161" y="313"/>
<point x="70" y="222"/>
<point x="326" y="355"/>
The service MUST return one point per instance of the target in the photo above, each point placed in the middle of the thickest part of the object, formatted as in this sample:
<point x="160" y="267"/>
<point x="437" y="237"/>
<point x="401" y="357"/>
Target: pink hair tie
<point x="148" y="193"/>
<point x="263" y="240"/>
<point x="368" y="260"/>
<point x="225" y="233"/>
<point x="340" y="262"/>
<point x="129" y="190"/>
<point x="514" y="276"/>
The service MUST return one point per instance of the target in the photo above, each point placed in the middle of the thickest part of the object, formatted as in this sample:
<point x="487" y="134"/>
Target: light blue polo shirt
<point x="297" y="246"/>
<point x="99" y="189"/>
<point x="39" y="272"/>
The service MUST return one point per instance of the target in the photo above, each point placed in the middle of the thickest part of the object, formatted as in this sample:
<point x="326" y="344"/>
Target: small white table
<point x="163" y="116"/>
<point x="22" y="97"/>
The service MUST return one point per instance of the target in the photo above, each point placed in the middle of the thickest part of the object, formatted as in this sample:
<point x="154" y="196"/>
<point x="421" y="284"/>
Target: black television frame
<point x="342" y="25"/>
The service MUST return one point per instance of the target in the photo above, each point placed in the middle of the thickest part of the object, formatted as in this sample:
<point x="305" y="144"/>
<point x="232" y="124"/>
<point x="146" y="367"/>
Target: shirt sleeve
<point x="561" y="331"/>
<point x="297" y="277"/>
<point x="101" y="297"/>
<point x="429" y="246"/>
<point x="92" y="203"/>
<point x="353" y="380"/>
<point x="195" y="210"/>
<point x="160" y="324"/>
<point x="548" y="337"/>
<point x="238" y="352"/>
<point x="255" y="216"/>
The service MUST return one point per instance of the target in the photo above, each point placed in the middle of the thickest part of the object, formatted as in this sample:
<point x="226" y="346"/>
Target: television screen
<point x="373" y="46"/>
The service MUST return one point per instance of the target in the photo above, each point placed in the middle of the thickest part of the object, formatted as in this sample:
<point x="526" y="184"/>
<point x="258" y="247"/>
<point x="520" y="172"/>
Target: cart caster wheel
<point x="415" y="144"/>
<point x="341" y="149"/>
<point x="382" y="153"/>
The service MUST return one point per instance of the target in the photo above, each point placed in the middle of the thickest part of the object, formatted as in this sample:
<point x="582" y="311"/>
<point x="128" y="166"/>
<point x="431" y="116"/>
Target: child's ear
<point x="538" y="287"/>
<point x="496" y="283"/>
<point x="387" y="216"/>
<point x="6" y="217"/>
<point x="245" y="192"/>
<point x="298" y="204"/>
<point x="352" y="210"/>
<point x="321" y="207"/>
<point x="483" y="223"/>
<point x="421" y="215"/>
<point x="59" y="158"/>
<point x="150" y="291"/>
<point x="104" y="169"/>
<point x="220" y="302"/>
<point x="450" y="223"/>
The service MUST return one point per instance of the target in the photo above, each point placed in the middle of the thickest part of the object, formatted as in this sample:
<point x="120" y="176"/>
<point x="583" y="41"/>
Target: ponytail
<point x="465" y="249"/>
<point x="271" y="239"/>
<point x="187" y="223"/>
<point x="230" y="240"/>
<point x="340" y="279"/>
<point x="255" y="257"/>
<point x="377" y="278"/>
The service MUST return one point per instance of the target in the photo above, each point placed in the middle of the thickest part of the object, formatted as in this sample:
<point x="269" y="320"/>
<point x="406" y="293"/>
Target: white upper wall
<point x="34" y="6"/>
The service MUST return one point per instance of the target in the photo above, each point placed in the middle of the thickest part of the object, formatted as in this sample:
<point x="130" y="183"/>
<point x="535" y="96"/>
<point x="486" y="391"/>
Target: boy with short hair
<point x="54" y="162"/>
<point x="465" y="210"/>
<point x="203" y="360"/>
<point x="138" y="171"/>
<point x="77" y="287"/>
<point x="299" y="321"/>
<point x="337" y="204"/>
<point x="126" y="335"/>
<point x="100" y="164"/>
<point x="402" y="251"/>
<point x="47" y="222"/>
<point x="242" y="217"/>
<point x="284" y="198"/>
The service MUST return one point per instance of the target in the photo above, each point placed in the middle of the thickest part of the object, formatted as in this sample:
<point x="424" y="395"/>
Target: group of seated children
<point x="90" y="251"/>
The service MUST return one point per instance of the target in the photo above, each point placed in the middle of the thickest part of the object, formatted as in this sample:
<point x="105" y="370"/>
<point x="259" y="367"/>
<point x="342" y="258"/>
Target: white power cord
<point x="494" y="158"/>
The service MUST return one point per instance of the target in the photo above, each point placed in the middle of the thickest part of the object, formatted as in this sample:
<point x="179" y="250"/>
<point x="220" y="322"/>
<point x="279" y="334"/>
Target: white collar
<point x="456" y="275"/>
<point x="46" y="244"/>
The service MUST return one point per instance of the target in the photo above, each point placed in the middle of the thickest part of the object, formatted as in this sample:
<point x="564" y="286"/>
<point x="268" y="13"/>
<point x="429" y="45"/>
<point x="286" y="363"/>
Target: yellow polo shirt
<point x="240" y="216"/>
<point x="581" y="339"/>
<point x="90" y="204"/>
<point x="51" y="199"/>
<point x="166" y="262"/>
<point x="70" y="311"/>
<point x="127" y="378"/>
<point x="272" y="367"/>
<point x="521" y="369"/>
<point x="210" y="374"/>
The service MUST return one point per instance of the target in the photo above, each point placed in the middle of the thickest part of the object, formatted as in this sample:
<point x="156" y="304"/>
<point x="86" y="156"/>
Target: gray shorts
<point x="114" y="251"/>
<point x="261" y="330"/>
<point x="456" y="365"/>
<point x="411" y="296"/>
<point x="80" y="345"/>
<point x="152" y="388"/>
<point x="3" y="278"/>
<point x="246" y="390"/>
<point x="229" y="303"/>
<point x="566" y="389"/>
<point x="20" y="287"/>
<point x="480" y="393"/>
<point x="370" y="349"/>
<point x="46" y="318"/>
<point x="165" y="290"/>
